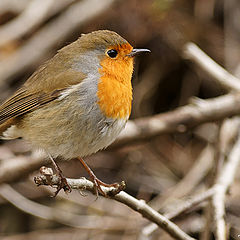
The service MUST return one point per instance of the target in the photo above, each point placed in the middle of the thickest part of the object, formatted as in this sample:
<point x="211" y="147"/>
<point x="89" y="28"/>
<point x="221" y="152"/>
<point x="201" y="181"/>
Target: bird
<point x="76" y="103"/>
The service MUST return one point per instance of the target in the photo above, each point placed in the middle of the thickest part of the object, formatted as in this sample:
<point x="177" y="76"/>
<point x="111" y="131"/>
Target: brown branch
<point x="180" y="119"/>
<point x="20" y="166"/>
<point x="190" y="203"/>
<point x="64" y="217"/>
<point x="182" y="208"/>
<point x="137" y="205"/>
<point x="190" y="181"/>
<point x="219" y="74"/>
<point x="224" y="181"/>
<point x="200" y="168"/>
<point x="225" y="176"/>
<point x="32" y="16"/>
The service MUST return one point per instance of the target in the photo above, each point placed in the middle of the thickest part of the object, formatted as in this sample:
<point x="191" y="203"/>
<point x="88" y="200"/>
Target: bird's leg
<point x="97" y="182"/>
<point x="63" y="184"/>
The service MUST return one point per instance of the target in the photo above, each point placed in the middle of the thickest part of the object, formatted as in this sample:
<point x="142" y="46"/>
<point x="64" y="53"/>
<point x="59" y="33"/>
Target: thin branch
<point x="190" y="203"/>
<point x="200" y="168"/>
<point x="190" y="181"/>
<point x="225" y="79"/>
<point x="222" y="185"/>
<point x="180" y="119"/>
<point x="226" y="176"/>
<point x="64" y="217"/>
<point x="31" y="17"/>
<point x="137" y="205"/>
<point x="20" y="166"/>
<point x="149" y="213"/>
<point x="184" y="207"/>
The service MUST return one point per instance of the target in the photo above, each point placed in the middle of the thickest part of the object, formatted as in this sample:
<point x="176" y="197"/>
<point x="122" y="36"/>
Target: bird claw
<point x="98" y="184"/>
<point x="62" y="185"/>
<point x="117" y="187"/>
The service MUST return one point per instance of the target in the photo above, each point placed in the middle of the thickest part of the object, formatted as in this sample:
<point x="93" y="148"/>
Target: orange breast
<point x="115" y="88"/>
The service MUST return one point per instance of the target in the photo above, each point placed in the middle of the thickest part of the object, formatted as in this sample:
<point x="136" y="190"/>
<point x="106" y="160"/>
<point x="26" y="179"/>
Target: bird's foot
<point x="63" y="181"/>
<point x="98" y="184"/>
<point x="63" y="184"/>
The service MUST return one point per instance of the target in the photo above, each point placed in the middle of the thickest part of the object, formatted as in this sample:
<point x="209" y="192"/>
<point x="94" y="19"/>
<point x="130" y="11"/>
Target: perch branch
<point x="138" y="205"/>
<point x="195" y="175"/>
<point x="190" y="203"/>
<point x="64" y="217"/>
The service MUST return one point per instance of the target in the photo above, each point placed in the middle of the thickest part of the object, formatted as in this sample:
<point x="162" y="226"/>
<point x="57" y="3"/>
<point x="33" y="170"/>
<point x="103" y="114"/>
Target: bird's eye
<point x="112" y="53"/>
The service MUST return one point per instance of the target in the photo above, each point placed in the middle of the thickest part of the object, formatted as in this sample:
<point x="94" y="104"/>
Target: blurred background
<point x="164" y="170"/>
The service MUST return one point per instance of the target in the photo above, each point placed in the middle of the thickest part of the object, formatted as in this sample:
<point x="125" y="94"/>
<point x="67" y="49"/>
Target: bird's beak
<point x="136" y="51"/>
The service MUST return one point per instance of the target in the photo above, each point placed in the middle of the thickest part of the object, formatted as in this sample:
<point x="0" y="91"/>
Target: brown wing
<point x="28" y="99"/>
<point x="22" y="103"/>
<point x="40" y="88"/>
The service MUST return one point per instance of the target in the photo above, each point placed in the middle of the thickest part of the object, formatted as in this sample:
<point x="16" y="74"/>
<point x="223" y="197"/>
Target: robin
<point x="78" y="102"/>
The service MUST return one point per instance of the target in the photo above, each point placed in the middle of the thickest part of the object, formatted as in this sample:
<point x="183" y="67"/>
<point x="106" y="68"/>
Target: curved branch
<point x="224" y="78"/>
<point x="32" y="16"/>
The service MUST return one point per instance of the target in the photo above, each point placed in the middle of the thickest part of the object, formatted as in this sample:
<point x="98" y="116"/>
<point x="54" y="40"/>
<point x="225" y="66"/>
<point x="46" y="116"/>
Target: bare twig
<point x="222" y="185"/>
<point x="36" y="12"/>
<point x="149" y="213"/>
<point x="190" y="203"/>
<point x="184" y="207"/>
<point x="64" y="217"/>
<point x="17" y="167"/>
<point x="181" y="119"/>
<point x="224" y="78"/>
<point x="198" y="171"/>
<point x="137" y="205"/>
<point x="226" y="175"/>
<point x="207" y="226"/>
<point x="31" y="17"/>
<point x="207" y="211"/>
<point x="190" y="181"/>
